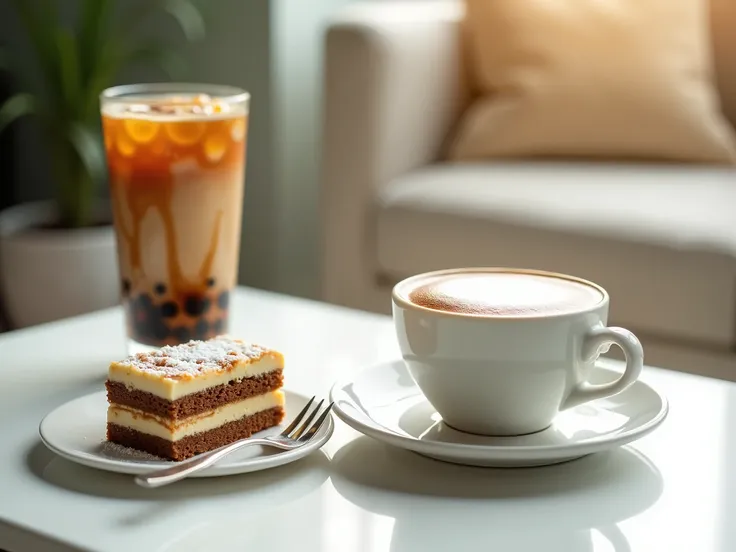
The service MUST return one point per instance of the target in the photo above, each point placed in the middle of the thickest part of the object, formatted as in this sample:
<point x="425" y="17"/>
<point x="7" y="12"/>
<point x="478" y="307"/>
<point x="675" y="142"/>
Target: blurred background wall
<point x="298" y="34"/>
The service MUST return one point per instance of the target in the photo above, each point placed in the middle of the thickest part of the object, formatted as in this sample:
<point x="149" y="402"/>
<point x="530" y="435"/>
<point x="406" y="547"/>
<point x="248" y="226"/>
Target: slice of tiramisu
<point x="187" y="399"/>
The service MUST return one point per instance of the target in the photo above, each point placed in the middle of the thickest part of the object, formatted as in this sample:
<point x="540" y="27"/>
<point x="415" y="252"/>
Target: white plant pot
<point x="47" y="274"/>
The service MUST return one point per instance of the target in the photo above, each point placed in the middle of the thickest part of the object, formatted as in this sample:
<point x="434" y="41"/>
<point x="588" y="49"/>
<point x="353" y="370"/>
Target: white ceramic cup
<point x="508" y="375"/>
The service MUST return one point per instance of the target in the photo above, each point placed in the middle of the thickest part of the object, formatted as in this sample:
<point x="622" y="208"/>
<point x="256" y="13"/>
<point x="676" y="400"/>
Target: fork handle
<point x="180" y="470"/>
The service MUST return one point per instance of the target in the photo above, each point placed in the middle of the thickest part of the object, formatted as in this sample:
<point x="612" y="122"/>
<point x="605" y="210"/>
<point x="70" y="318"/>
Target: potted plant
<point x="58" y="258"/>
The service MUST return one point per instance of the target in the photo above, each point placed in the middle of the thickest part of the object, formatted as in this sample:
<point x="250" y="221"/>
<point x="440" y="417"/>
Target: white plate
<point x="76" y="431"/>
<point x="383" y="402"/>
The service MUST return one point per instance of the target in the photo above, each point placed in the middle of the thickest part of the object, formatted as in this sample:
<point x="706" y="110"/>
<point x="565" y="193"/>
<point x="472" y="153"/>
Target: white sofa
<point x="660" y="238"/>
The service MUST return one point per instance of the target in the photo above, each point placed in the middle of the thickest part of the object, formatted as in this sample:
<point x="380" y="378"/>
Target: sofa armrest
<point x="392" y="83"/>
<point x="393" y="88"/>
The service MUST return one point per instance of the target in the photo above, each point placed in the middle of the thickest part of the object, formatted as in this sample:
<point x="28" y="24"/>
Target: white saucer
<point x="76" y="431"/>
<point x="383" y="402"/>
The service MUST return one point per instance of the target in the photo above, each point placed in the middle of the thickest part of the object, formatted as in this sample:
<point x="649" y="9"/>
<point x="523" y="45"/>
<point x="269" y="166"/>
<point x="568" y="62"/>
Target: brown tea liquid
<point x="176" y="170"/>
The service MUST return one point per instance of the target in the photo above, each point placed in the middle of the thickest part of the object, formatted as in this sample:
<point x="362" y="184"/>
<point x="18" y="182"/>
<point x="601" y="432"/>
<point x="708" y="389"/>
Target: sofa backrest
<point x="723" y="29"/>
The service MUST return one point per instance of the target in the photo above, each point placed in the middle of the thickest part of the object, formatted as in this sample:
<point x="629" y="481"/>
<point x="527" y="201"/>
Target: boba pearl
<point x="169" y="309"/>
<point x="201" y="329"/>
<point x="196" y="306"/>
<point x="182" y="334"/>
<point x="140" y="313"/>
<point x="151" y="325"/>
<point x="158" y="329"/>
<point x="223" y="300"/>
<point x="143" y="304"/>
<point x="147" y="319"/>
<point x="160" y="288"/>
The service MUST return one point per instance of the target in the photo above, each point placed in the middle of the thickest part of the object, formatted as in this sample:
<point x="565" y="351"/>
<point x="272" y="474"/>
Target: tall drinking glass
<point x="176" y="162"/>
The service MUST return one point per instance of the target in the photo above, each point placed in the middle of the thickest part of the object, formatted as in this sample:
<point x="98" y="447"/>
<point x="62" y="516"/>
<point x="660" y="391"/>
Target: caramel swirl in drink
<point x="176" y="168"/>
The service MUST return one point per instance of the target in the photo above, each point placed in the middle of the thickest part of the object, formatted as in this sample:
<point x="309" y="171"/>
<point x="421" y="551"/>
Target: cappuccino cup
<point x="501" y="351"/>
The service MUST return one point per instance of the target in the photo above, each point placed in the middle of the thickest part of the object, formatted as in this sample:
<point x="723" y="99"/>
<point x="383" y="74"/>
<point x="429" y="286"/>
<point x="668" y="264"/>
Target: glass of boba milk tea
<point x="176" y="162"/>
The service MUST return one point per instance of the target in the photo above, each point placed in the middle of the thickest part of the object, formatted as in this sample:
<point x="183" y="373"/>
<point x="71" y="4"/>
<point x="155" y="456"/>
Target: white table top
<point x="673" y="490"/>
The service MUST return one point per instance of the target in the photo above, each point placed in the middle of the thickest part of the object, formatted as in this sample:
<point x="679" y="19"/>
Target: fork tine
<point x="306" y="423"/>
<point x="315" y="427"/>
<point x="298" y="418"/>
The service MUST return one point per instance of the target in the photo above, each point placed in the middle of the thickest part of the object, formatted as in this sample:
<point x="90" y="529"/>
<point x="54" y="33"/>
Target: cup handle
<point x="593" y="341"/>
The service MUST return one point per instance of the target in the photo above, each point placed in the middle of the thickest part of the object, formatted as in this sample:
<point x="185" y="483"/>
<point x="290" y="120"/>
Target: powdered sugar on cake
<point x="197" y="357"/>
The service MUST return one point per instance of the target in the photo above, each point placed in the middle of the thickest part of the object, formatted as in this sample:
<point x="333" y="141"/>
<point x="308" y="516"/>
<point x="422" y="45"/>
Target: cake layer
<point x="175" y="430"/>
<point x="199" y="443"/>
<point x="173" y="372"/>
<point x="193" y="403"/>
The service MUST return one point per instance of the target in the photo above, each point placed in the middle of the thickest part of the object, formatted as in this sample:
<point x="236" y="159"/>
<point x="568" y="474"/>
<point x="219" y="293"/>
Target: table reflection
<point x="438" y="506"/>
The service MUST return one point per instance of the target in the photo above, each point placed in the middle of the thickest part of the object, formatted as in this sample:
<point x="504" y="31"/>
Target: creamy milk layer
<point x="154" y="425"/>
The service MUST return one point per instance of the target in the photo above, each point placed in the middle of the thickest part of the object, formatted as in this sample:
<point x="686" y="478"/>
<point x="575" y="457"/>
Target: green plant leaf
<point x="92" y="42"/>
<point x="69" y="77"/>
<point x="110" y="60"/>
<point x="40" y="24"/>
<point x="14" y="107"/>
<point x="89" y="147"/>
<point x="189" y="18"/>
<point x="99" y="81"/>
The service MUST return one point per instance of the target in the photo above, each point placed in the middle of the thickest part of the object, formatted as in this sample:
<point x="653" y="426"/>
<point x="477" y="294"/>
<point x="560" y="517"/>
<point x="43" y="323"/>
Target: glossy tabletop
<point x="673" y="490"/>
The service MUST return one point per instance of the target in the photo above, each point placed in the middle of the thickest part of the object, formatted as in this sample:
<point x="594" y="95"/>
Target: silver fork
<point x="288" y="439"/>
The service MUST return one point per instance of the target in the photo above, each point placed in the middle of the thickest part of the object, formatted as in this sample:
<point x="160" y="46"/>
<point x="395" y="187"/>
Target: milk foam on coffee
<point x="511" y="294"/>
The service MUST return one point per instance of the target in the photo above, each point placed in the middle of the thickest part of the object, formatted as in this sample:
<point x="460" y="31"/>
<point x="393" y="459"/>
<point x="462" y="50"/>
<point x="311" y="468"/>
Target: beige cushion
<point x="661" y="239"/>
<point x="723" y="34"/>
<point x="586" y="78"/>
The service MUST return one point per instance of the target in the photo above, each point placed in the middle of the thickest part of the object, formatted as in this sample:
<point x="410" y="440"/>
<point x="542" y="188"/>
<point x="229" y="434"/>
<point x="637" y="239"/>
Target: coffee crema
<point x="503" y="294"/>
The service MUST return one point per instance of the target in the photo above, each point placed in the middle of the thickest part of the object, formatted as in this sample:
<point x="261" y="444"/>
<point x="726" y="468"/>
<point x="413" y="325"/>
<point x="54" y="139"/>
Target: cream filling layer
<point x="155" y="425"/>
<point x="175" y="388"/>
